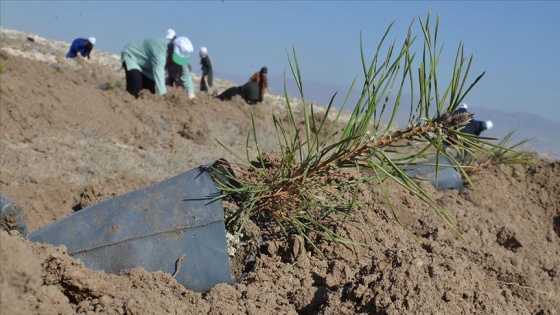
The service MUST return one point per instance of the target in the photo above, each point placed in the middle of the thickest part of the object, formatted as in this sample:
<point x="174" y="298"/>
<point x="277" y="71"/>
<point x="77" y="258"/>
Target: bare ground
<point x="67" y="143"/>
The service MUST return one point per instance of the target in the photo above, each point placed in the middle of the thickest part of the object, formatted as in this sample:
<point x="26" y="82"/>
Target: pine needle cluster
<point x="299" y="186"/>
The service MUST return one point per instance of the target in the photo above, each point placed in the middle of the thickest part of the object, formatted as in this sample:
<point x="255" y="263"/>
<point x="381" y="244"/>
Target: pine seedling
<point x="298" y="187"/>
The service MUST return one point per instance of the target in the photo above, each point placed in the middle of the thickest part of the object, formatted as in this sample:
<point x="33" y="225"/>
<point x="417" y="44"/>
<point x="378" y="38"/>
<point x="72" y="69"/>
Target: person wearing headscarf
<point x="81" y="47"/>
<point x="252" y="91"/>
<point x="173" y="70"/>
<point x="206" y="67"/>
<point x="261" y="78"/>
<point x="145" y="62"/>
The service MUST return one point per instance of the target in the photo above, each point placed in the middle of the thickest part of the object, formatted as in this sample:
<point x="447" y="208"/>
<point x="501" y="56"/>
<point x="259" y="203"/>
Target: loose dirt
<point x="70" y="138"/>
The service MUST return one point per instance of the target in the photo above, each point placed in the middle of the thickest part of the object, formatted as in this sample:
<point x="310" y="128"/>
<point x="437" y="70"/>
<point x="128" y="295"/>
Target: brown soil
<point x="66" y="143"/>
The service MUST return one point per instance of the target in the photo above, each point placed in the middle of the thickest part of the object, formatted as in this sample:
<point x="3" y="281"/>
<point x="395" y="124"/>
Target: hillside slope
<point x="67" y="143"/>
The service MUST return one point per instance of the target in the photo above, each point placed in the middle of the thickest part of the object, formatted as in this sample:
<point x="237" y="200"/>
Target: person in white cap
<point x="476" y="127"/>
<point x="81" y="47"/>
<point x="145" y="62"/>
<point x="206" y="66"/>
<point x="170" y="34"/>
<point x="173" y="71"/>
<point x="462" y="108"/>
<point x="473" y="127"/>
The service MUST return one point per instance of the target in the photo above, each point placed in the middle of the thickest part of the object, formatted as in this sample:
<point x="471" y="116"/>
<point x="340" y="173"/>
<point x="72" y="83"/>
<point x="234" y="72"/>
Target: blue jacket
<point x="149" y="56"/>
<point x="79" y="45"/>
<point x="474" y="127"/>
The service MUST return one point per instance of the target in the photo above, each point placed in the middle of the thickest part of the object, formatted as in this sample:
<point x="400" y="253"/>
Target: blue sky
<point x="515" y="42"/>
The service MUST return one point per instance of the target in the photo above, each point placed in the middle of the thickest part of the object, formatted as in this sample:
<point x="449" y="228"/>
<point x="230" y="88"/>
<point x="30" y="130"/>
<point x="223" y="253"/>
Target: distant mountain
<point x="544" y="134"/>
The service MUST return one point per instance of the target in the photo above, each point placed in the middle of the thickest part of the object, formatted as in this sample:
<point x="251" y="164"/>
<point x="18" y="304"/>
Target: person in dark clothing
<point x="249" y="91"/>
<point x="261" y="78"/>
<point x="252" y="91"/>
<point x="476" y="127"/>
<point x="137" y="80"/>
<point x="463" y="108"/>
<point x="174" y="72"/>
<point x="473" y="127"/>
<point x="230" y="93"/>
<point x="206" y="67"/>
<point x="81" y="47"/>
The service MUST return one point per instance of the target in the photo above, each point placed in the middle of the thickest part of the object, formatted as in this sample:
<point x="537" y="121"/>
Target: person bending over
<point x="144" y="62"/>
<point x="252" y="91"/>
<point x="82" y="47"/>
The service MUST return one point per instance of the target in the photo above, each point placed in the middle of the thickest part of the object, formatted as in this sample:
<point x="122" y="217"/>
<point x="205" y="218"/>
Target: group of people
<point x="157" y="63"/>
<point x="175" y="71"/>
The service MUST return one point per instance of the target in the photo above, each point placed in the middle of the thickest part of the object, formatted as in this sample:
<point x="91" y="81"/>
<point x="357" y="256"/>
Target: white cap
<point x="463" y="106"/>
<point x="203" y="50"/>
<point x="488" y="125"/>
<point x="170" y="33"/>
<point x="92" y="40"/>
<point x="182" y="50"/>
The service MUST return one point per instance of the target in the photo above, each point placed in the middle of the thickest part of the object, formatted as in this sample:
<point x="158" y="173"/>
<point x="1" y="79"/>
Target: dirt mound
<point x="70" y="137"/>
